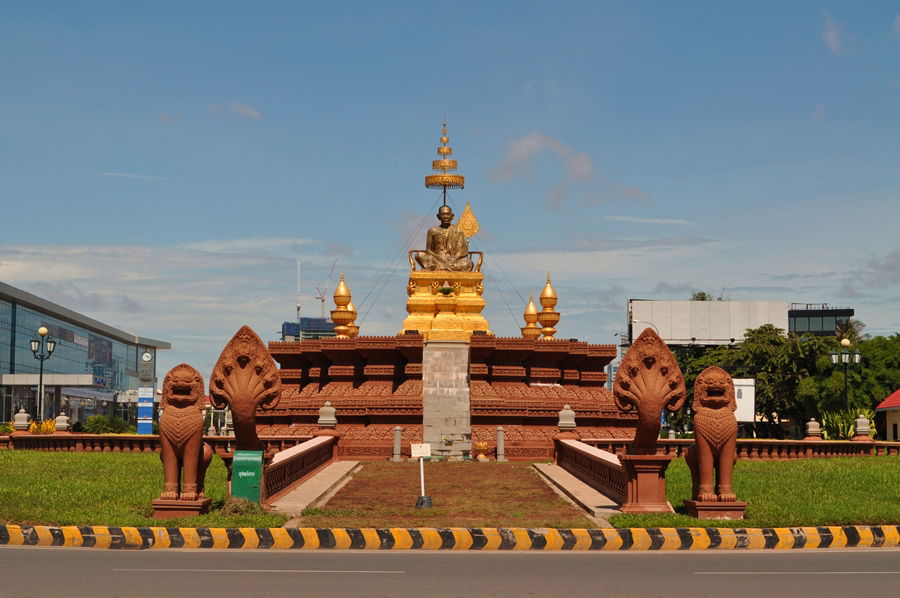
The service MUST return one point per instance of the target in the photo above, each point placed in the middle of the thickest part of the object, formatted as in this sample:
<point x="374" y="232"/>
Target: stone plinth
<point x="445" y="305"/>
<point x="646" y="484"/>
<point x="170" y="509"/>
<point x="446" y="409"/>
<point x="715" y="509"/>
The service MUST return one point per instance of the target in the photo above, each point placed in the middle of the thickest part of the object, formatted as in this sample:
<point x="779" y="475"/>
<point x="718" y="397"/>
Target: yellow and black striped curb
<point x="455" y="538"/>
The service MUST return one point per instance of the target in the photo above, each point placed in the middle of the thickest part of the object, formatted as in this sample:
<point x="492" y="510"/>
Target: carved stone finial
<point x="648" y="380"/>
<point x="861" y="428"/>
<point x="244" y="378"/>
<point x="327" y="416"/>
<point x="184" y="455"/>
<point x="566" y="419"/>
<point x="62" y="422"/>
<point x="21" y="420"/>
<point x="813" y="430"/>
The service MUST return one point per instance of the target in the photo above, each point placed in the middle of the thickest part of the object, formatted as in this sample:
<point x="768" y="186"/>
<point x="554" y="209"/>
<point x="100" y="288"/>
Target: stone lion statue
<point x="184" y="455"/>
<point x="715" y="431"/>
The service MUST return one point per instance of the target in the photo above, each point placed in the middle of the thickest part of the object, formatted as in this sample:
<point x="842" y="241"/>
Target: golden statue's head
<point x="445" y="214"/>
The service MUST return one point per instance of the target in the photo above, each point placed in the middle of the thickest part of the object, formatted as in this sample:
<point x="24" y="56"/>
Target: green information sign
<point x="246" y="475"/>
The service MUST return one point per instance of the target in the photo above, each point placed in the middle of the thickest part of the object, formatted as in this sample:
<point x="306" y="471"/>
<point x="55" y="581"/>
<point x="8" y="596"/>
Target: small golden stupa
<point x="531" y="329"/>
<point x="341" y="315"/>
<point x="547" y="316"/>
<point x="445" y="292"/>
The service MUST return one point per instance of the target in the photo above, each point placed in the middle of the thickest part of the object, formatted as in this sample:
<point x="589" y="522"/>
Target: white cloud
<point x="579" y="165"/>
<point x="238" y="109"/>
<point x="832" y="34"/>
<point x="245" y="111"/>
<point x="251" y="244"/>
<point x="638" y="220"/>
<point x="524" y="153"/>
<point x="128" y="175"/>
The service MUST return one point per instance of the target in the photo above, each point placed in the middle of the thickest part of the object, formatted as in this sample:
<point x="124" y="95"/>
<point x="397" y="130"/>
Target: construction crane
<point x="298" y="290"/>
<point x="323" y="290"/>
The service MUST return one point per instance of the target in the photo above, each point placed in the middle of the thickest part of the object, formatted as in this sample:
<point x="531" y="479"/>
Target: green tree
<point x="850" y="329"/>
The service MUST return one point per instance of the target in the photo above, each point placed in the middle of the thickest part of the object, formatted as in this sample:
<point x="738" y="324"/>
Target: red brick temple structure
<point x="445" y="379"/>
<point x="375" y="384"/>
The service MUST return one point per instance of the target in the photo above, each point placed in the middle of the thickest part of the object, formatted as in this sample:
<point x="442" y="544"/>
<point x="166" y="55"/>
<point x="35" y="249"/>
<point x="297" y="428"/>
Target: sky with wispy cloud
<point x="164" y="165"/>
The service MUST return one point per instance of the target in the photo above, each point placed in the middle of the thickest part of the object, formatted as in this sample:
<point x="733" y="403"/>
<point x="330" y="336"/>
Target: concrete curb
<point x="455" y="538"/>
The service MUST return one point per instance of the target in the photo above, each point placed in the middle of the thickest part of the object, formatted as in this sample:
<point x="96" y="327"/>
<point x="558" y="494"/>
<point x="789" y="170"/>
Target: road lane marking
<point x="259" y="571"/>
<point x="796" y="572"/>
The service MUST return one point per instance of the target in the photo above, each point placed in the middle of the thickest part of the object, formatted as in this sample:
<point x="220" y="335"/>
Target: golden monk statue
<point x="446" y="247"/>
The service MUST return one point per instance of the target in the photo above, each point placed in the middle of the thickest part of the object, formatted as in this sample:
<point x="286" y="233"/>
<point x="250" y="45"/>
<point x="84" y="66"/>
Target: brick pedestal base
<point x="170" y="509"/>
<point x="646" y="484"/>
<point x="715" y="510"/>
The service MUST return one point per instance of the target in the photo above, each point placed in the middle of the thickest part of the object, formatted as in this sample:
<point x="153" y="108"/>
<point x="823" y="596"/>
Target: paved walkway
<point x="598" y="506"/>
<point x="316" y="490"/>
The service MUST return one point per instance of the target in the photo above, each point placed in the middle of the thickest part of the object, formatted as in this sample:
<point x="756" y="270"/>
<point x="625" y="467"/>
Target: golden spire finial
<point x="548" y="317"/>
<point x="353" y="327"/>
<point x="445" y="166"/>
<point x="531" y="329"/>
<point x="341" y="315"/>
<point x="548" y="295"/>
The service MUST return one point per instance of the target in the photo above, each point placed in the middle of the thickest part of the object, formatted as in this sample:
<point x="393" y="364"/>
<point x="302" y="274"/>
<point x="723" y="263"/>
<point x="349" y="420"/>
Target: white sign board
<point x="145" y="392"/>
<point x="745" y="395"/>
<point x="704" y="322"/>
<point x="420" y="450"/>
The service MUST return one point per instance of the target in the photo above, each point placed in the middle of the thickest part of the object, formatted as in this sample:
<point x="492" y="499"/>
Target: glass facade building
<point x="92" y="362"/>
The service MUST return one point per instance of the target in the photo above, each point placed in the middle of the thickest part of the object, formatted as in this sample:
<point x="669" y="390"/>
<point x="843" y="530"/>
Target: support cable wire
<point x="483" y="247"/>
<point x="388" y="273"/>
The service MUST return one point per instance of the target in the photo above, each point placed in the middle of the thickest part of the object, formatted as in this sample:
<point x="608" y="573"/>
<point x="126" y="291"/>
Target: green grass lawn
<point x="800" y="492"/>
<point x="116" y="489"/>
<point x="53" y="488"/>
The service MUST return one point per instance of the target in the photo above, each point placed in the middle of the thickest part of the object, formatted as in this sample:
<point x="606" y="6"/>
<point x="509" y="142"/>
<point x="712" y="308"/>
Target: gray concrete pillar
<point x="501" y="442"/>
<point x="398" y="431"/>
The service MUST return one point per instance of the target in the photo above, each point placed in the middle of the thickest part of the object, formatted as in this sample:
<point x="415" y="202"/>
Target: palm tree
<point x="850" y="329"/>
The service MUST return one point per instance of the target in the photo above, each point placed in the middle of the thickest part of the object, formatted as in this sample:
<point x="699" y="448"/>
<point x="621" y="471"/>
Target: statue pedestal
<point x="445" y="305"/>
<point x="446" y="402"/>
<point x="715" y="510"/>
<point x="170" y="509"/>
<point x="646" y="475"/>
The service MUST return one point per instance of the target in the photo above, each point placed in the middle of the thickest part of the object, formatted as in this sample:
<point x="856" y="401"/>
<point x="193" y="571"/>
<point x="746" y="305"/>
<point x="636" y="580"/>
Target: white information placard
<point x="420" y="450"/>
<point x="745" y="396"/>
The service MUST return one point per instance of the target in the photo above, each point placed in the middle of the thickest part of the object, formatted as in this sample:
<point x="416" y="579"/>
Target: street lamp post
<point x="38" y="347"/>
<point x="847" y="358"/>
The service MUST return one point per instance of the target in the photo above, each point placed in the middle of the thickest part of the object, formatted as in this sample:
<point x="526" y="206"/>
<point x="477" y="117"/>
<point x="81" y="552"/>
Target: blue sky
<point x="163" y="165"/>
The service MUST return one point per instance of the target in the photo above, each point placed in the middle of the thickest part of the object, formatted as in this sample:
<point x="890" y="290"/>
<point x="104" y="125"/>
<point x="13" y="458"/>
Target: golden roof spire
<point x="548" y="295"/>
<point x="445" y="166"/>
<point x="548" y="317"/>
<point x="531" y="329"/>
<point x="341" y="316"/>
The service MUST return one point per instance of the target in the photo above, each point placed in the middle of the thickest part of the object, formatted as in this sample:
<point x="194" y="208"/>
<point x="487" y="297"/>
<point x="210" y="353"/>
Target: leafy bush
<point x="48" y="426"/>
<point x="839" y="425"/>
<point x="101" y="424"/>
<point x="6" y="428"/>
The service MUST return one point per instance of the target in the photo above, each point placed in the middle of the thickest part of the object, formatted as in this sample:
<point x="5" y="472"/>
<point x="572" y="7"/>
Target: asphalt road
<point x="31" y="571"/>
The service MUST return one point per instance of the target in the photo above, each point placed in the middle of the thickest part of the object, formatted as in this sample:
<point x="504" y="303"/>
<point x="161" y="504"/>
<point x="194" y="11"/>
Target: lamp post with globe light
<point x="38" y="347"/>
<point x="848" y="358"/>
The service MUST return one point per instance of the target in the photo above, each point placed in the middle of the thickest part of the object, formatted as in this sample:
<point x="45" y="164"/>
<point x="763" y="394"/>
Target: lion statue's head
<point x="714" y="389"/>
<point x="182" y="387"/>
